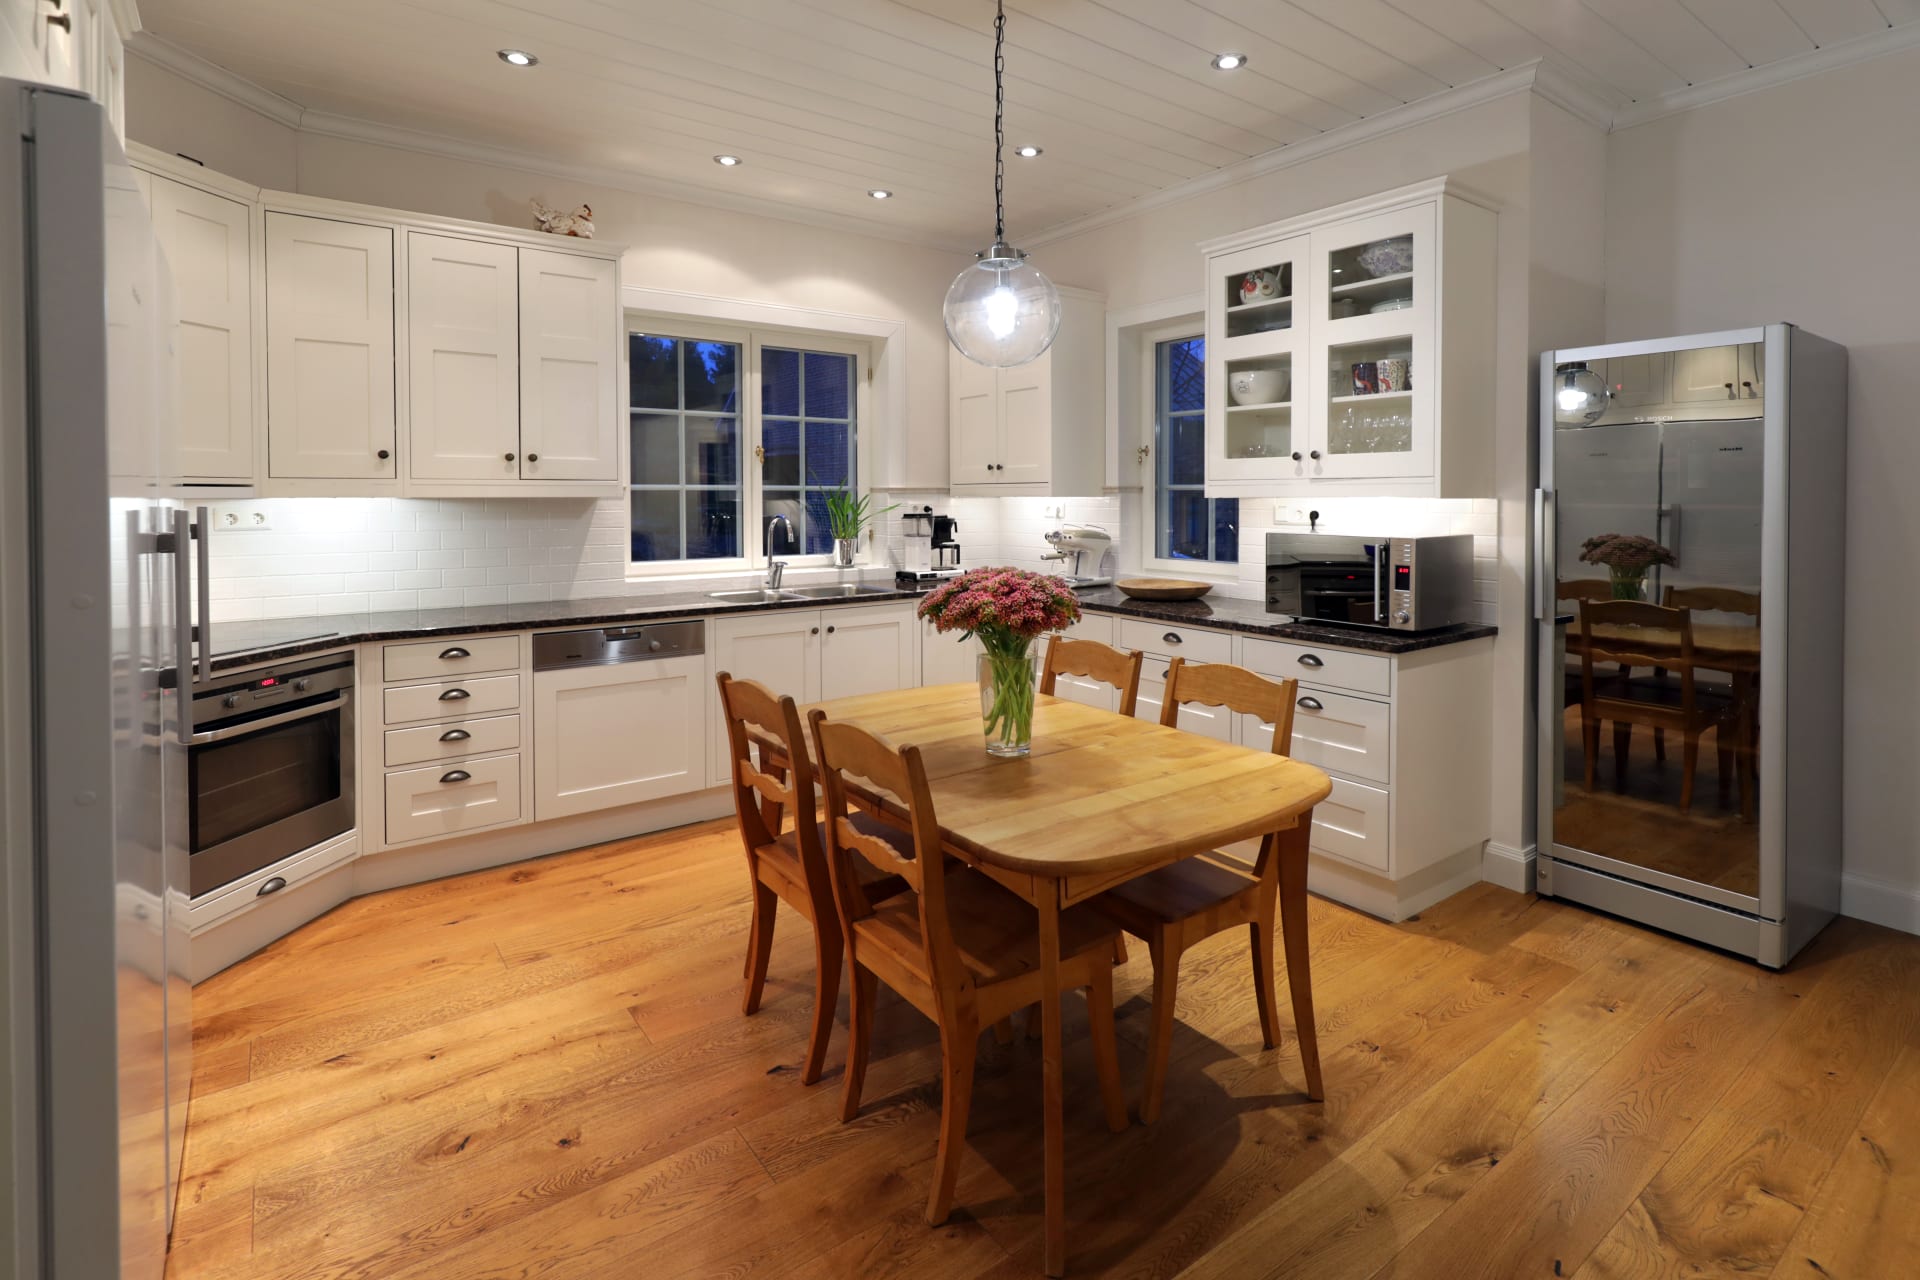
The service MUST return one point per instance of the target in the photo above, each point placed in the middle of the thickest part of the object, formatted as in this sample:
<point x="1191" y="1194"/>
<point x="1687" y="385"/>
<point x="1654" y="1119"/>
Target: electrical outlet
<point x="1290" y="513"/>
<point x="1055" y="511"/>
<point x="242" y="518"/>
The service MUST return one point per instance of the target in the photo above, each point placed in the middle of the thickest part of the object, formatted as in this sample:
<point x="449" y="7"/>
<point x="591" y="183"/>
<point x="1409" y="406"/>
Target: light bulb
<point x="1001" y="308"/>
<point x="1572" y="399"/>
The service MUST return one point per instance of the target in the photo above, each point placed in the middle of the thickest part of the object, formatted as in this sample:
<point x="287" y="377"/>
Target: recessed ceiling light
<point x="1027" y="152"/>
<point x="1229" y="61"/>
<point x="880" y="193"/>
<point x="518" y="58"/>
<point x="726" y="161"/>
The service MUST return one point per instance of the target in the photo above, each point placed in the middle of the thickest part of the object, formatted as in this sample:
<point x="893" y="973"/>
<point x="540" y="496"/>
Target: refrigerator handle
<point x="203" y="530"/>
<point x="1546" y="542"/>
<point x="182" y="627"/>
<point x="1379" y="559"/>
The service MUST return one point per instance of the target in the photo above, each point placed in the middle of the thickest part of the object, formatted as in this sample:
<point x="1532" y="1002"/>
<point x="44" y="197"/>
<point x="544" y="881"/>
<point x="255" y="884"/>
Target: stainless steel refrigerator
<point x="1689" y="556"/>
<point x="93" y="628"/>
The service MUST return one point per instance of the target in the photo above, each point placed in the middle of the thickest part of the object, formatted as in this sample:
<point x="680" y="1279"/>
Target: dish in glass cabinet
<point x="1387" y="257"/>
<point x="1391" y="304"/>
<point x="1163" y="588"/>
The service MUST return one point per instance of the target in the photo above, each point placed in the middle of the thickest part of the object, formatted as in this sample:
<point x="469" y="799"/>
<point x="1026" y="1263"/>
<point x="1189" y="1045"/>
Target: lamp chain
<point x="999" y="127"/>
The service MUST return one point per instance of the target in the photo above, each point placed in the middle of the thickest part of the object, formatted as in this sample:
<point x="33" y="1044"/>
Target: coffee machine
<point x="946" y="549"/>
<point x="932" y="553"/>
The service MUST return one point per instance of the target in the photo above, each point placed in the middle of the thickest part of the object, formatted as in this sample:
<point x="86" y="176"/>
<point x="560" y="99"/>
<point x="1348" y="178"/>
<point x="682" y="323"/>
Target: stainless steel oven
<point x="269" y="767"/>
<point x="1400" y="584"/>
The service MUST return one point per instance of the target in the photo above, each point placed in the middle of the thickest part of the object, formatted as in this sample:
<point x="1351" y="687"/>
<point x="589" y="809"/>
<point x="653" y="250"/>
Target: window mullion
<point x="751" y="467"/>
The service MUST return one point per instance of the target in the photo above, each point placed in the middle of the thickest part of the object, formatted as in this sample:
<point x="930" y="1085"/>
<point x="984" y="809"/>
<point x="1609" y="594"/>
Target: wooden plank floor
<point x="543" y="1071"/>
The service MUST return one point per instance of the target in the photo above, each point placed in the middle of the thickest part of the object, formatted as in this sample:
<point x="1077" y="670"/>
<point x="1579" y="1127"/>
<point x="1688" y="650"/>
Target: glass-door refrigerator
<point x="1689" y="560"/>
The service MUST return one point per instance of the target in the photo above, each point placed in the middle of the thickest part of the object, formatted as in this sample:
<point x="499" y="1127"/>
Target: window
<point x="725" y="423"/>
<point x="1187" y="525"/>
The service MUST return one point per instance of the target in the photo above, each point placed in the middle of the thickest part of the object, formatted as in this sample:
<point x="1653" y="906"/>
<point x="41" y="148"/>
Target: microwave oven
<point x="1397" y="584"/>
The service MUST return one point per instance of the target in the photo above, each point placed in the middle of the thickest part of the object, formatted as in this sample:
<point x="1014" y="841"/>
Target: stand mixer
<point x="1078" y="541"/>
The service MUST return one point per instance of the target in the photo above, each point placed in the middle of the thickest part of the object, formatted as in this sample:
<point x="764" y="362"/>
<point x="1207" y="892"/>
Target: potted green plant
<point x="849" y="515"/>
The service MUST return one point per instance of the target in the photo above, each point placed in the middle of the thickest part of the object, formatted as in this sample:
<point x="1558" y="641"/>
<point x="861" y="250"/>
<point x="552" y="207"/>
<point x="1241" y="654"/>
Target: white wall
<point x="1801" y="203"/>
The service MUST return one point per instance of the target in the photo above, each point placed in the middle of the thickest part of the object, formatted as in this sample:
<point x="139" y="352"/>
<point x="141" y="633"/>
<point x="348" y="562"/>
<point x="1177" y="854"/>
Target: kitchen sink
<point x="759" y="595"/>
<point x="840" y="591"/>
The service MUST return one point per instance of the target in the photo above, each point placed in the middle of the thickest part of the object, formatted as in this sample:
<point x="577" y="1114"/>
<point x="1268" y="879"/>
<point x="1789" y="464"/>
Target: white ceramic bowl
<point x="1257" y="386"/>
<point x="1388" y="257"/>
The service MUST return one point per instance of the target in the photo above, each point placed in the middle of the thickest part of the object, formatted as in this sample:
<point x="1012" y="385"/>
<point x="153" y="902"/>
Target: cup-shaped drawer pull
<point x="1311" y="660"/>
<point x="455" y="652"/>
<point x="455" y="695"/>
<point x="455" y="735"/>
<point x="1173" y="637"/>
<point x="1311" y="704"/>
<point x="455" y="775"/>
<point x="272" y="885"/>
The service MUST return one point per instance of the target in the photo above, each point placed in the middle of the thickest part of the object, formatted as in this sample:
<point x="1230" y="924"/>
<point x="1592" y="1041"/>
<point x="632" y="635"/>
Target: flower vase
<point x="1008" y="679"/>
<point x="844" y="550"/>
<point x="1628" y="584"/>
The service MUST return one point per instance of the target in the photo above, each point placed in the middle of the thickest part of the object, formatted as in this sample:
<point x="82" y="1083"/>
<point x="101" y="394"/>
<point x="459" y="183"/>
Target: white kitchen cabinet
<point x="1094" y="693"/>
<point x="620" y="734"/>
<point x="207" y="240"/>
<point x="867" y="650"/>
<point x="947" y="658"/>
<point x="1641" y="381"/>
<point x="463" y="358"/>
<point x="1037" y="428"/>
<point x="1706" y="374"/>
<point x="571" y="410"/>
<point x="1377" y="346"/>
<point x="330" y="349"/>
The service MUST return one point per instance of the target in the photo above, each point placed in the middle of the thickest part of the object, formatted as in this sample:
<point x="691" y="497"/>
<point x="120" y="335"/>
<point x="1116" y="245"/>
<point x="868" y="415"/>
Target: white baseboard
<point x="1510" y="868"/>
<point x="1897" y="906"/>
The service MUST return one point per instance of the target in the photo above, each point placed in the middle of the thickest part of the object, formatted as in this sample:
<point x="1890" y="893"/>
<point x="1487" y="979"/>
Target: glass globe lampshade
<point x="1579" y="395"/>
<point x="1002" y="311"/>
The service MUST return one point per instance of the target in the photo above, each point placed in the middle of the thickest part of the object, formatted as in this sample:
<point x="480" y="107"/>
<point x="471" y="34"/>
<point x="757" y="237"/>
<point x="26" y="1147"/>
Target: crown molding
<point x="1798" y="67"/>
<point x="215" y="78"/>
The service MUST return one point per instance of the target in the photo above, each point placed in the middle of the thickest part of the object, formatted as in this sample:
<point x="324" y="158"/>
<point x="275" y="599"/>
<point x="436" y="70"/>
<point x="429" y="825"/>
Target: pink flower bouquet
<point x="1007" y="609"/>
<point x="1627" y="557"/>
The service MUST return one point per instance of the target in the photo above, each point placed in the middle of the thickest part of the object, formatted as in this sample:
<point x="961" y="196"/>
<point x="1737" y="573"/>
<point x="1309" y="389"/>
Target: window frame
<point x="1149" y="337"/>
<point x="752" y="341"/>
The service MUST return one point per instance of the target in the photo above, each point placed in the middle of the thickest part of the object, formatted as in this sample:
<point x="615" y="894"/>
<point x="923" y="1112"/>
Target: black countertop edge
<point x="248" y="644"/>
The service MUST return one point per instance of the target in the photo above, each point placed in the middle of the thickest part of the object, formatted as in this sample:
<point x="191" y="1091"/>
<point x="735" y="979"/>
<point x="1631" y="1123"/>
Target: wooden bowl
<point x="1163" y="588"/>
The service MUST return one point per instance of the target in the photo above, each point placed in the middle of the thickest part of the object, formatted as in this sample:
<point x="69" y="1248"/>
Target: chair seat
<point x="1187" y="888"/>
<point x="783" y="857"/>
<point x="996" y="933"/>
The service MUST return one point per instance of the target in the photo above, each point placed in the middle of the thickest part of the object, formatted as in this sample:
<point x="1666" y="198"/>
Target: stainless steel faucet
<point x="776" y="569"/>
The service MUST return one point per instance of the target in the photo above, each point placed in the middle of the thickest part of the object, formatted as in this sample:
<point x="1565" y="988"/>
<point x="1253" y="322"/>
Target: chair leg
<point x="828" y="950"/>
<point x="1590" y="748"/>
<point x="1723" y="762"/>
<point x="1119" y="948"/>
<point x="1166" y="982"/>
<point x="1106" y="1046"/>
<point x="859" y="1037"/>
<point x="957" y="1048"/>
<point x="766" y="908"/>
<point x="1262" y="933"/>
<point x="1622" y="739"/>
<point x="1689" y="758"/>
<point x="1003" y="1031"/>
<point x="1660" y="746"/>
<point x="1293" y="924"/>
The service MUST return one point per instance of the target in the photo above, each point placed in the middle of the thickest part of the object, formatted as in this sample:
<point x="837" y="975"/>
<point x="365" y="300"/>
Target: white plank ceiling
<point x="824" y="99"/>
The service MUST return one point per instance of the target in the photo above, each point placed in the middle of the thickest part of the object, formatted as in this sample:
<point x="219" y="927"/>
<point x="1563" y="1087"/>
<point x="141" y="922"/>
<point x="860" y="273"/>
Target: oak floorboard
<point x="541" y="1072"/>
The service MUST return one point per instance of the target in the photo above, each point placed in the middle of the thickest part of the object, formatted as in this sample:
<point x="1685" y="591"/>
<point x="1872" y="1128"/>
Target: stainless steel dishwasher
<point x="620" y="716"/>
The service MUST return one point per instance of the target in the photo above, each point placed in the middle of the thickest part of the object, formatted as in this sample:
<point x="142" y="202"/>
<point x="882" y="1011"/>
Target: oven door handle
<point x="271" y="722"/>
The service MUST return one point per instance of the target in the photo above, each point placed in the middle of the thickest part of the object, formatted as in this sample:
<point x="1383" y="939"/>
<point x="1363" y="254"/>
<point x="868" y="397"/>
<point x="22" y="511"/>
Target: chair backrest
<point x="781" y="781"/>
<point x="1631" y="649"/>
<point x="1095" y="661"/>
<point x="1219" y="684"/>
<point x="843" y="751"/>
<point x="1714" y="600"/>
<point x="1583" y="589"/>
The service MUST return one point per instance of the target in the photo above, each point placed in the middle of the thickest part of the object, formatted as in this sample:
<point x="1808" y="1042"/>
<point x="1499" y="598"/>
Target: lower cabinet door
<point x="609" y="736"/>
<point x="446" y="798"/>
<point x="780" y="650"/>
<point x="866" y="650"/>
<point x="1352" y="824"/>
<point x="947" y="658"/>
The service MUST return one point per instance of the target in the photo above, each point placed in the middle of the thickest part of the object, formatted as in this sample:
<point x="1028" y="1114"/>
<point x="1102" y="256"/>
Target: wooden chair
<point x="1745" y="683"/>
<point x="1175" y="907"/>
<point x="1095" y="661"/>
<point x="1660" y="705"/>
<point x="788" y="867"/>
<point x="958" y="947"/>
<point x="1713" y="600"/>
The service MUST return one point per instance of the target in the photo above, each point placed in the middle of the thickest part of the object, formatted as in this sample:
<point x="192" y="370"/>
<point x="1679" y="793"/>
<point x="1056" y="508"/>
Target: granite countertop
<point x="244" y="644"/>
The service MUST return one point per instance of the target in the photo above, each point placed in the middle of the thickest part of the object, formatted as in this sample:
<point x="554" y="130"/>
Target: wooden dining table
<point x="1102" y="798"/>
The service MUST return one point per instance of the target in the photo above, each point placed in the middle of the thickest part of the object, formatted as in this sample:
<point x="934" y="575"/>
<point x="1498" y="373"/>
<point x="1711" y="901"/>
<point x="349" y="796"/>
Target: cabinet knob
<point x="533" y="457"/>
<point x="829" y="630"/>
<point x="65" y="23"/>
<point x="1315" y="454"/>
<point x="816" y="631"/>
<point x="509" y="457"/>
<point x="383" y="455"/>
<point x="1296" y="455"/>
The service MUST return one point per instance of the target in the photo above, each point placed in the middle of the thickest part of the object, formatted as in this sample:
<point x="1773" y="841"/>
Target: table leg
<point x="1293" y="927"/>
<point x="1053" y="1099"/>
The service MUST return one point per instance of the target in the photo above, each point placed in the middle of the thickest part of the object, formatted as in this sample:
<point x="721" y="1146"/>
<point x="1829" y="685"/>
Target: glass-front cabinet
<point x="1355" y="345"/>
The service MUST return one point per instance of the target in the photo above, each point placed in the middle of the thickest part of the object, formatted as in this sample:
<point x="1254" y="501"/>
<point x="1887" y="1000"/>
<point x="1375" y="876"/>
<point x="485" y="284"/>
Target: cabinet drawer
<point x="1352" y="824"/>
<point x="454" y="738"/>
<point x="1336" y="732"/>
<point x="451" y="657"/>
<point x="1195" y="644"/>
<point x="452" y="697"/>
<point x="442" y="799"/>
<point x="1337" y="668"/>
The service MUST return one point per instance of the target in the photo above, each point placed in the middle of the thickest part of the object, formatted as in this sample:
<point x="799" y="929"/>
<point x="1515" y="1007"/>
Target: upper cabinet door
<point x="570" y="403"/>
<point x="974" y="420"/>
<point x="1706" y="374"/>
<point x="1257" y="303"/>
<point x="1026" y="423"/>
<point x="206" y="242"/>
<point x="463" y="359"/>
<point x="330" y="407"/>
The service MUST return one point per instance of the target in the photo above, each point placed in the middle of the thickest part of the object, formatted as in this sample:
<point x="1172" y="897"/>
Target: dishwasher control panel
<point x="604" y="646"/>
